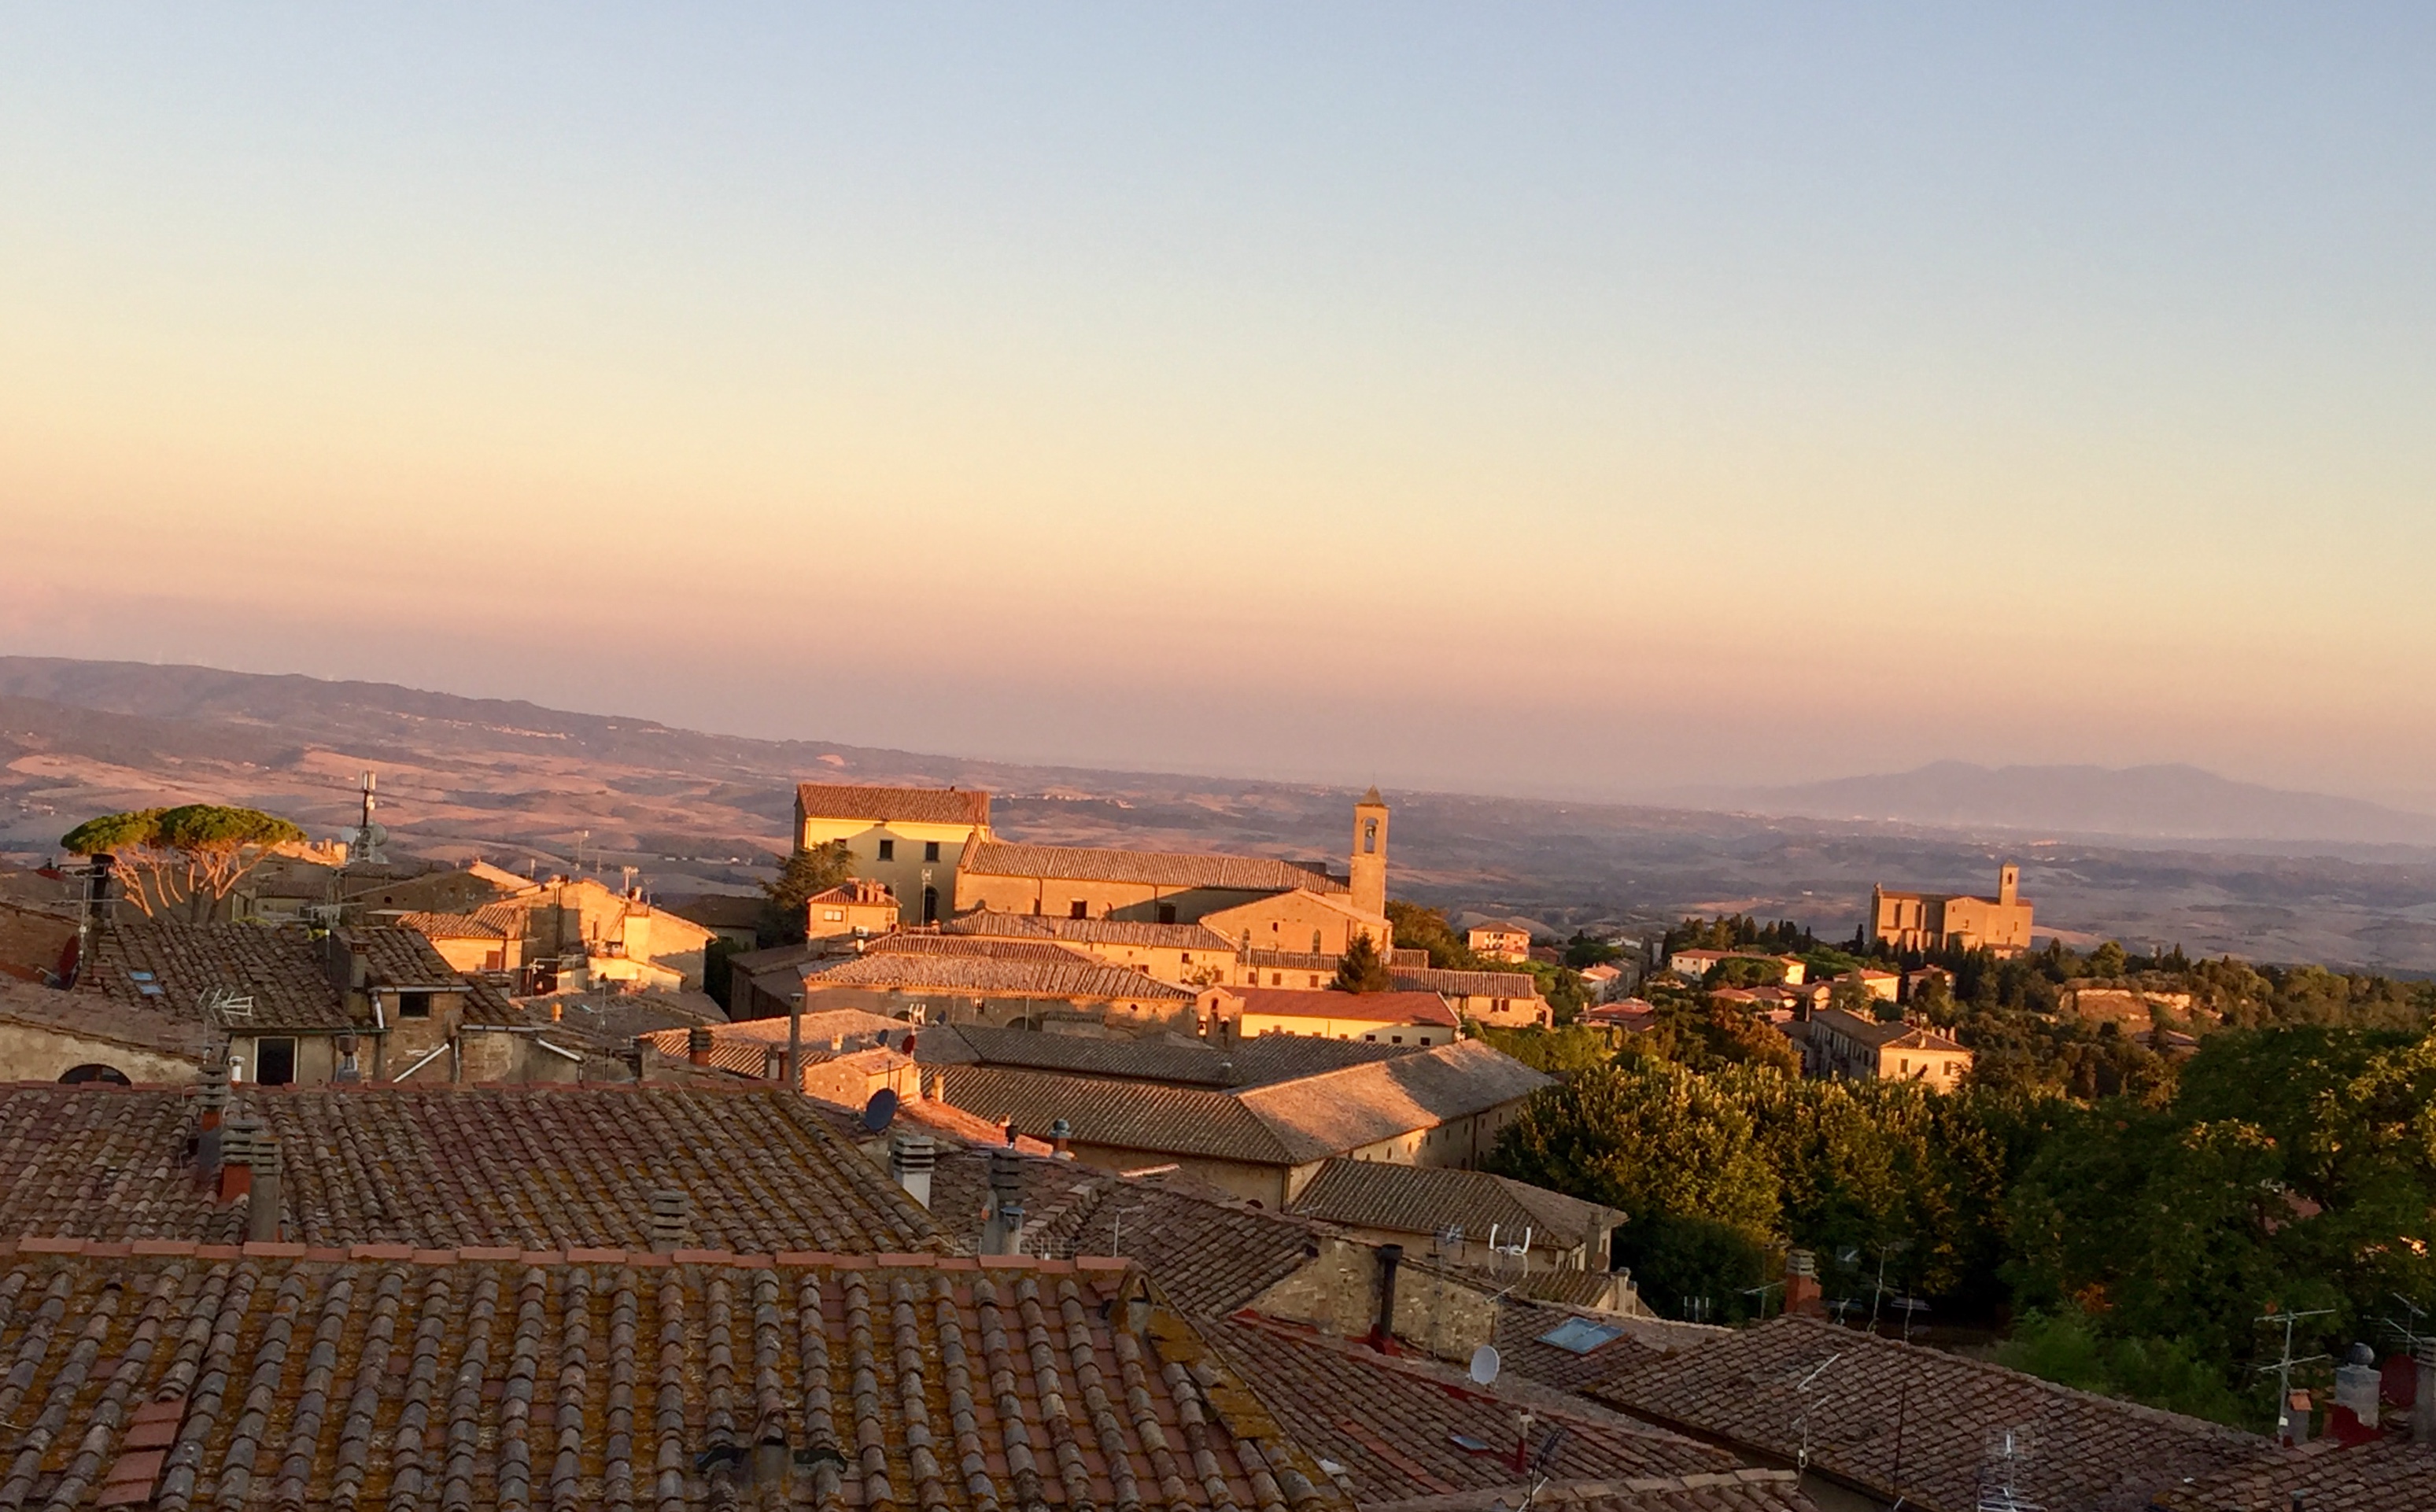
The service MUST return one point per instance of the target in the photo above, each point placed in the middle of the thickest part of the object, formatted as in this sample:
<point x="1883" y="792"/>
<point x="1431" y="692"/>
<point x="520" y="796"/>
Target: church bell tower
<point x="1369" y="872"/>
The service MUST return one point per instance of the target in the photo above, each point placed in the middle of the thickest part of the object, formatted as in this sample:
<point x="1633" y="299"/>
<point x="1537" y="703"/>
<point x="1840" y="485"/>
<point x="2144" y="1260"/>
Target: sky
<point x="1550" y="400"/>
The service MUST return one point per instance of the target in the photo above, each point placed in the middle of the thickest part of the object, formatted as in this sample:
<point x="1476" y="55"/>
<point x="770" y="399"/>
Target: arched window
<point x="1369" y="836"/>
<point x="96" y="1071"/>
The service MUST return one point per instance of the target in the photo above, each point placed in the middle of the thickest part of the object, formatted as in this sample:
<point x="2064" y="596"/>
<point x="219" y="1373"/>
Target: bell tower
<point x="1369" y="872"/>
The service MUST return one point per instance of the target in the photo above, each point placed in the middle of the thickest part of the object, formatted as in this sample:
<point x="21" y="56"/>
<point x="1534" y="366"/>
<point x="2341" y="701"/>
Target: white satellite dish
<point x="1484" y="1364"/>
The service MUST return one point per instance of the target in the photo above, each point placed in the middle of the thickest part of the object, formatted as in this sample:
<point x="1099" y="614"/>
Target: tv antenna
<point x="226" y="1005"/>
<point x="1451" y="1241"/>
<point x="2283" y="1367"/>
<point x="364" y="842"/>
<point x="2000" y="1471"/>
<point x="1518" y="1251"/>
<point x="1117" y="1227"/>
<point x="1802" y="1419"/>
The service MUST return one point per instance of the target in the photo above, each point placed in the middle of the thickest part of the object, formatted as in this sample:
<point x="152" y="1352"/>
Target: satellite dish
<point x="1484" y="1364"/>
<point x="880" y="1111"/>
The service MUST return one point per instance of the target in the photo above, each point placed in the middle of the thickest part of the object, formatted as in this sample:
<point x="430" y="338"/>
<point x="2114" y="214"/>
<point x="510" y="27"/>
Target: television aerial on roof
<point x="226" y="1005"/>
<point x="364" y="841"/>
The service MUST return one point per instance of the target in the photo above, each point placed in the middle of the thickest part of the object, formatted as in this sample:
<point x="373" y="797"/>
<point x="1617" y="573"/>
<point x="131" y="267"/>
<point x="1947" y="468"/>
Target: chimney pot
<point x="670" y="1218"/>
<point x="236" y="1158"/>
<point x="1061" y="1135"/>
<point x="698" y="1045"/>
<point x="913" y="1157"/>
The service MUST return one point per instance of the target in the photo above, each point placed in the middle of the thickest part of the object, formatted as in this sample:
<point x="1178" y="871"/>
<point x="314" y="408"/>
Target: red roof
<point x="913" y="805"/>
<point x="1376" y="1007"/>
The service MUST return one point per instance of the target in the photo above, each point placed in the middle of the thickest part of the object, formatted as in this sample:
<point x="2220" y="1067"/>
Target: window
<point x="1369" y="836"/>
<point x="1167" y="913"/>
<point x="888" y="850"/>
<point x="1187" y="958"/>
<point x="930" y="850"/>
<point x="1372" y="1039"/>
<point x="412" y="1005"/>
<point x="1396" y="1038"/>
<point x="275" y="1062"/>
<point x="1078" y="910"/>
<point x="834" y="915"/>
<point x="1315" y="942"/>
<point x="929" y="905"/>
<point x="1276" y="979"/>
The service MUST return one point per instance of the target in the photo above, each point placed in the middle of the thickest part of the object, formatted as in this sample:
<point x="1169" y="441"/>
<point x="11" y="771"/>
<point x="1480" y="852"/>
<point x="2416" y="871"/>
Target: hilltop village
<point x="960" y="1171"/>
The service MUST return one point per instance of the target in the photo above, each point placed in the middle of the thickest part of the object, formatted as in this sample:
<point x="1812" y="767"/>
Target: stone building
<point x="1940" y="921"/>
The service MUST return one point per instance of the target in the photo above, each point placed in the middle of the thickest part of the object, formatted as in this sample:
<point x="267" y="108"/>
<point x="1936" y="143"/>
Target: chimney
<point x="639" y="1057"/>
<point x="2293" y="1426"/>
<point x="212" y="1111"/>
<point x="2353" y="1419"/>
<point x="1801" y="1292"/>
<point x="346" y="1069"/>
<point x="1383" y="1329"/>
<point x="1003" y="1230"/>
<point x="262" y="1204"/>
<point x="698" y="1046"/>
<point x="1061" y="1135"/>
<point x="236" y="1158"/>
<point x="911" y="1159"/>
<point x="669" y="1220"/>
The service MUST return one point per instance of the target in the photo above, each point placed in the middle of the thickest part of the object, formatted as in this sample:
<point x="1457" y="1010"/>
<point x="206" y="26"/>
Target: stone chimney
<point x="236" y="1158"/>
<point x="698" y="1046"/>
<point x="211" y="1111"/>
<point x="638" y="1057"/>
<point x="1003" y="1230"/>
<point x="1801" y="1292"/>
<point x="1061" y="1138"/>
<point x="2353" y="1419"/>
<point x="262" y="1204"/>
<point x="347" y="1070"/>
<point x="911" y="1159"/>
<point x="671" y="1217"/>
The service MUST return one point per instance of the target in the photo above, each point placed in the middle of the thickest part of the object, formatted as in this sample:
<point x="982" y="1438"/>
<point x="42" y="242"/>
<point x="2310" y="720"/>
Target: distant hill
<point x="529" y="787"/>
<point x="2153" y="802"/>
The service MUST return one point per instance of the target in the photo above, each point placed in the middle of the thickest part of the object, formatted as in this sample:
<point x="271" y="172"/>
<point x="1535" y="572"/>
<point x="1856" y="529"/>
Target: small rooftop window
<point x="1581" y="1335"/>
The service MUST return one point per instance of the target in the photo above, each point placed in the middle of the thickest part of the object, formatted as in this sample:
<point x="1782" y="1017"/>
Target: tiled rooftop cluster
<point x="963" y="963"/>
<point x="1418" y="1200"/>
<point x="1002" y="925"/>
<point x="169" y="967"/>
<point x="1178" y="1061"/>
<point x="1401" y="1429"/>
<point x="1245" y="874"/>
<point x="913" y="805"/>
<point x="539" y="1167"/>
<point x="2390" y="1475"/>
<point x="1905" y="1419"/>
<point x="289" y="1377"/>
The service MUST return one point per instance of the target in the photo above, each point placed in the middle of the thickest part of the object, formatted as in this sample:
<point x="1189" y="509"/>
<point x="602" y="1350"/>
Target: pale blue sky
<point x="1540" y="399"/>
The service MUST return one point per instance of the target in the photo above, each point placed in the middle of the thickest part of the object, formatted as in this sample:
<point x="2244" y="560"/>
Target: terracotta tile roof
<point x="1209" y="1255"/>
<point x="106" y="1019"/>
<point x="1469" y="984"/>
<point x="1884" y="1404"/>
<point x="1397" y="1427"/>
<point x="2385" y="1475"/>
<point x="720" y="910"/>
<point x="450" y="925"/>
<point x="1293" y="961"/>
<point x="1362" y="1104"/>
<point x="277" y="1376"/>
<point x="1292" y="1122"/>
<point x="539" y="1167"/>
<point x="854" y="1027"/>
<point x="399" y="958"/>
<point x="1234" y="873"/>
<point x="1187" y="1063"/>
<point x="1000" y="925"/>
<point x="1368" y="1007"/>
<point x="1066" y="974"/>
<point x="1171" y="1120"/>
<point x="919" y="943"/>
<point x="1896" y="1035"/>
<point x="1610" y="1344"/>
<point x="1424" y="1200"/>
<point x="857" y="892"/>
<point x="278" y="967"/>
<point x="912" y="805"/>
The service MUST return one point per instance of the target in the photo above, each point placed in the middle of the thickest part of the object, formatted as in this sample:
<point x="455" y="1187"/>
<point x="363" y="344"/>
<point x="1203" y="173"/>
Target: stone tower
<point x="2009" y="883"/>
<point x="1369" y="869"/>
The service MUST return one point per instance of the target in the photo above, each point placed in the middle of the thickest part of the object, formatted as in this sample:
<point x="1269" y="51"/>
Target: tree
<point x="193" y="854"/>
<point x="1582" y="951"/>
<point x="807" y="872"/>
<point x="1364" y="969"/>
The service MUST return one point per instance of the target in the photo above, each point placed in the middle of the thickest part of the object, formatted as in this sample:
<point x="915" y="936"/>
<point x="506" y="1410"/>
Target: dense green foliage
<point x="807" y="872"/>
<point x="1738" y="931"/>
<point x="1362" y="968"/>
<point x="2134" y="1212"/>
<point x="193" y="854"/>
<point x="1426" y="928"/>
